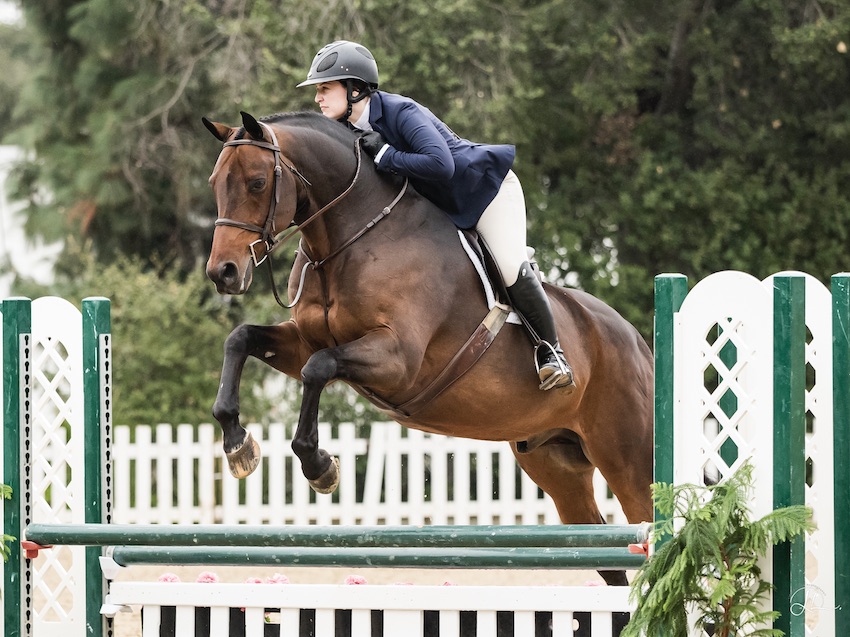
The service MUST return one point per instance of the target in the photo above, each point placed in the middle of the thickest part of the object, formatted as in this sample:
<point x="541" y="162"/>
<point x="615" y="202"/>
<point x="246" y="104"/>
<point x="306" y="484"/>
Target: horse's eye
<point x="257" y="185"/>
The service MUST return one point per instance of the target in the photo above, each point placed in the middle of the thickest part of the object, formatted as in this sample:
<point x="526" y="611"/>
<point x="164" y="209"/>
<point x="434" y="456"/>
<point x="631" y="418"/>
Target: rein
<point x="268" y="232"/>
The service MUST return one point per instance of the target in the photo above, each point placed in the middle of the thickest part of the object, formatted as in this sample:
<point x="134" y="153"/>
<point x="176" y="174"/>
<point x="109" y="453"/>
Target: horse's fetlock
<point x="225" y="412"/>
<point x="234" y="438"/>
<point x="303" y="447"/>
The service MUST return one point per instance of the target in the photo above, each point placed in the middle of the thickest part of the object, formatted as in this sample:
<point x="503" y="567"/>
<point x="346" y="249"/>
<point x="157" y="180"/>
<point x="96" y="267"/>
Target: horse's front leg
<point x="375" y="361"/>
<point x="276" y="345"/>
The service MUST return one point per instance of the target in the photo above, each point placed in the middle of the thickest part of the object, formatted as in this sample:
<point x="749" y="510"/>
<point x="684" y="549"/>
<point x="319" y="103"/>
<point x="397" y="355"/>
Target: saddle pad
<point x="485" y="281"/>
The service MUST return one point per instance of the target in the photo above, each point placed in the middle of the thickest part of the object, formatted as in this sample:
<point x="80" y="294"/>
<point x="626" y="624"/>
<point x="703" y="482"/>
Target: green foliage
<point x="710" y="565"/>
<point x="14" y="60"/>
<point x="651" y="138"/>
<point x="6" y="494"/>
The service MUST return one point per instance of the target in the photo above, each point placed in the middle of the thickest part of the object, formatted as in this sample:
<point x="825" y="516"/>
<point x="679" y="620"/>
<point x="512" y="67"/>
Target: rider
<point x="471" y="182"/>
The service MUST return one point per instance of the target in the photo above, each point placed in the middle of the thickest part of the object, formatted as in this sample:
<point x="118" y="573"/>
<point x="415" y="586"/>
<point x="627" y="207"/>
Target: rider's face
<point x="332" y="98"/>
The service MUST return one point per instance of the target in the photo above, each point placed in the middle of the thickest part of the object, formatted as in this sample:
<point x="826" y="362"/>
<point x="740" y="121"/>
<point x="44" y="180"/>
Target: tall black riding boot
<point x="531" y="303"/>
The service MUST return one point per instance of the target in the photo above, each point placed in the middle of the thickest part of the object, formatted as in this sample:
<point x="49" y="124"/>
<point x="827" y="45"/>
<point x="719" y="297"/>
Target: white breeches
<point x="502" y="225"/>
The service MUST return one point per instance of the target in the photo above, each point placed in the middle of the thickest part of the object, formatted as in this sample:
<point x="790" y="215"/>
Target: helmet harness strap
<point x="352" y="100"/>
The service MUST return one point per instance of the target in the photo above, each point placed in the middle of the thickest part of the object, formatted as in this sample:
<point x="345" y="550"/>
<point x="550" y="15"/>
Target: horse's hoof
<point x="329" y="480"/>
<point x="245" y="458"/>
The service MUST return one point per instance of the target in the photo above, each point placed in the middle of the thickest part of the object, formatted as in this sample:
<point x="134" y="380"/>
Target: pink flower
<point x="277" y="578"/>
<point x="355" y="579"/>
<point x="168" y="577"/>
<point x="448" y="583"/>
<point x="594" y="583"/>
<point x="253" y="580"/>
<point x="207" y="577"/>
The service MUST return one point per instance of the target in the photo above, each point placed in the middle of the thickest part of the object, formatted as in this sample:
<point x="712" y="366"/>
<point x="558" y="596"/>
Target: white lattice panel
<point x="57" y="463"/>
<point x="724" y="382"/>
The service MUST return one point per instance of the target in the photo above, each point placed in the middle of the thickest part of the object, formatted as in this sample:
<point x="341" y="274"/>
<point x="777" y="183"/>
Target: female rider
<point x="472" y="183"/>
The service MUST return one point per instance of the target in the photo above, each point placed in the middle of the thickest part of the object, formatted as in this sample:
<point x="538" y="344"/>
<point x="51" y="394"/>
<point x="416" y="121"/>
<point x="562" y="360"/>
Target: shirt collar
<point x="363" y="122"/>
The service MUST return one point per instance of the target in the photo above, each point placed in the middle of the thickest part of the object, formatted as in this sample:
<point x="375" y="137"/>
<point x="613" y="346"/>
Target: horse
<point x="386" y="299"/>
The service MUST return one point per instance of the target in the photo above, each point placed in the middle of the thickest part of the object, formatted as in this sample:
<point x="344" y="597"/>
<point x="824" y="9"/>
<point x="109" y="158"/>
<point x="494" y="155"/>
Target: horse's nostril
<point x="228" y="272"/>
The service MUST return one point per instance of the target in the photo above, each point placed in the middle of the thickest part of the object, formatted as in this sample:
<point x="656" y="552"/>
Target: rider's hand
<point x="373" y="142"/>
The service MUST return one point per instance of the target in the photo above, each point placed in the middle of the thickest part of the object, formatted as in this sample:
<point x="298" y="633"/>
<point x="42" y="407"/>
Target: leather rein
<point x="268" y="233"/>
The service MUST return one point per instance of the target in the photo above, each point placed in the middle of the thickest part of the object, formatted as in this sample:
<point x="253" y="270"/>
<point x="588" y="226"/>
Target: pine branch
<point x="710" y="566"/>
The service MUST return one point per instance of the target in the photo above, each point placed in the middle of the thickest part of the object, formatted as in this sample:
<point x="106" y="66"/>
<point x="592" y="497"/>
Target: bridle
<point x="268" y="233"/>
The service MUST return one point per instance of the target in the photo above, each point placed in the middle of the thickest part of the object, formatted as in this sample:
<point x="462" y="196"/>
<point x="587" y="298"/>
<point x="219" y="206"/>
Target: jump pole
<point x="337" y="537"/>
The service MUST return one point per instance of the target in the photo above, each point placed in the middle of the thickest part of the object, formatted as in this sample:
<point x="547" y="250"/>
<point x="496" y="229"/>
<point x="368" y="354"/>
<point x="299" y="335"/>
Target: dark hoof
<point x="329" y="480"/>
<point x="244" y="459"/>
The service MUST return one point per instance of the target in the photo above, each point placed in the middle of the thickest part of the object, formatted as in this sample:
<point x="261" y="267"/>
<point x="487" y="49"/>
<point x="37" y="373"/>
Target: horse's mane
<point x="312" y="120"/>
<point x="308" y="119"/>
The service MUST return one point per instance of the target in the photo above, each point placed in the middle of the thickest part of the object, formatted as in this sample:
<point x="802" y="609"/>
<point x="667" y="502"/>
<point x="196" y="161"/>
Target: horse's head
<point x="256" y="198"/>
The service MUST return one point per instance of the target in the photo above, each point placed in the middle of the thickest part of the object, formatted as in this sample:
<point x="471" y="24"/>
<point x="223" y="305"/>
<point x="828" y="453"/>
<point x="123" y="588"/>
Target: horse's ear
<point x="219" y="130"/>
<point x="252" y="126"/>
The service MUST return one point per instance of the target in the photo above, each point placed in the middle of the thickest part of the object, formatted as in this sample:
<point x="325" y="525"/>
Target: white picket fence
<point x="170" y="474"/>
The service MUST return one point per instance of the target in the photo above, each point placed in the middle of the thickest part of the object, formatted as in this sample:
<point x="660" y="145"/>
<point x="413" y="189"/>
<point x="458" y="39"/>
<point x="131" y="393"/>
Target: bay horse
<point x="386" y="299"/>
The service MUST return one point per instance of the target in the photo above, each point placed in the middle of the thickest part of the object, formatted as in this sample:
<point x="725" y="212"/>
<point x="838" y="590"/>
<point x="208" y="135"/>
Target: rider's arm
<point x="428" y="156"/>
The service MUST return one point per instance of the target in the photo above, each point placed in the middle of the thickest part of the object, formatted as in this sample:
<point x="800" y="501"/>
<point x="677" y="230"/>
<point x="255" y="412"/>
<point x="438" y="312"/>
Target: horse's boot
<point x="531" y="303"/>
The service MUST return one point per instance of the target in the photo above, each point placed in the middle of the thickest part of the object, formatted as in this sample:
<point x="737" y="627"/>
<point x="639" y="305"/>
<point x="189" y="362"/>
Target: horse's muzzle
<point x="228" y="279"/>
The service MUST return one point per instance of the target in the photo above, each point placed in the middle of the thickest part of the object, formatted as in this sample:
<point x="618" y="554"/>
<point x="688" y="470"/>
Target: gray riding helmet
<point x="343" y="60"/>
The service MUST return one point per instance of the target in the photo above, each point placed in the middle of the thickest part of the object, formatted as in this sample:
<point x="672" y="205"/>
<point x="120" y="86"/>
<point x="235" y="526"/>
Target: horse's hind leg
<point x="561" y="469"/>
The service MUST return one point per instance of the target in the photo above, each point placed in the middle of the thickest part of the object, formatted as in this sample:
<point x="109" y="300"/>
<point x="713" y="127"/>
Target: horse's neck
<point x="340" y="214"/>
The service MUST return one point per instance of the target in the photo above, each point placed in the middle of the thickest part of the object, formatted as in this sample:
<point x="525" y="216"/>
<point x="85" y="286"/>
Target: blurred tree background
<point x="690" y="136"/>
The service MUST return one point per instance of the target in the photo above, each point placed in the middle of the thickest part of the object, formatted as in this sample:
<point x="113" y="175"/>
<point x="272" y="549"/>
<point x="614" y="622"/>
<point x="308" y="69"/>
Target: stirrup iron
<point x="562" y="377"/>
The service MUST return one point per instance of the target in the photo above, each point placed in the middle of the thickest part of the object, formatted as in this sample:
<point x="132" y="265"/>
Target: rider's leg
<point x="530" y="300"/>
<point x="503" y="228"/>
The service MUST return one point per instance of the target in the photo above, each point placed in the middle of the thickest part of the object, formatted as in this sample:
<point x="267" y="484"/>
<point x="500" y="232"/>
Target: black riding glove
<point x="373" y="142"/>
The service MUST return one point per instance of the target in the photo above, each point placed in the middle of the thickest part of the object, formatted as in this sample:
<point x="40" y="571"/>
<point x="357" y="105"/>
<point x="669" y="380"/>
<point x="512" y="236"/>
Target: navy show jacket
<point x="458" y="175"/>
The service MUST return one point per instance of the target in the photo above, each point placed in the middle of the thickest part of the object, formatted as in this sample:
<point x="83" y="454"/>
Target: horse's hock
<point x="731" y="384"/>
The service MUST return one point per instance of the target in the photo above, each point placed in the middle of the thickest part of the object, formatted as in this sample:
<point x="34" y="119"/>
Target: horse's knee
<point x="319" y="370"/>
<point x="238" y="341"/>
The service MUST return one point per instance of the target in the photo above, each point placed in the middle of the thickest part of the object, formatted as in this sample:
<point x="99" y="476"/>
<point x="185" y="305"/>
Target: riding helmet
<point x="343" y="60"/>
